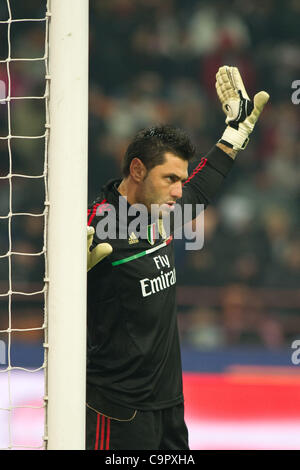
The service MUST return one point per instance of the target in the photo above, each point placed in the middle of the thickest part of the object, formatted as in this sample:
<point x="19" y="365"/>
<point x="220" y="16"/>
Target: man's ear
<point x="138" y="170"/>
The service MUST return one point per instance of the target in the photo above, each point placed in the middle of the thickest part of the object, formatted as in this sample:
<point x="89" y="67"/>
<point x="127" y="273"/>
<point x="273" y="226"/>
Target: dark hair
<point x="151" y="144"/>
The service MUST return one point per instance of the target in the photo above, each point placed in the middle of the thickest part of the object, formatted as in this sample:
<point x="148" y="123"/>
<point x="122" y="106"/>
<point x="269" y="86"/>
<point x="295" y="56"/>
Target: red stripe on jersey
<point x="107" y="433"/>
<point x="169" y="239"/>
<point x="94" y="210"/>
<point x="102" y="432"/>
<point x="196" y="170"/>
<point x="97" y="432"/>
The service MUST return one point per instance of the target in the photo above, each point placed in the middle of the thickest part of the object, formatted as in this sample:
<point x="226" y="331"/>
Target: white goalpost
<point x="68" y="141"/>
<point x="64" y="178"/>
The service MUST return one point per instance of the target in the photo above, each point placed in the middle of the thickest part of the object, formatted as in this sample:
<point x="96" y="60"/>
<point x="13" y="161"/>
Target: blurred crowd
<point x="151" y="62"/>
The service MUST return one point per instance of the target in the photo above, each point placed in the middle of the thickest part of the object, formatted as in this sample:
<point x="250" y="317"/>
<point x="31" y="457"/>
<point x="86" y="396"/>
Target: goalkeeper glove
<point x="242" y="113"/>
<point x="98" y="253"/>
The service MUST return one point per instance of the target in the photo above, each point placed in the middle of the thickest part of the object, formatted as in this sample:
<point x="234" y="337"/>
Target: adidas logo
<point x="133" y="239"/>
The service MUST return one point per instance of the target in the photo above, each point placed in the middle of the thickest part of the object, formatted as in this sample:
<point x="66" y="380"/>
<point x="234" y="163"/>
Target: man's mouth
<point x="170" y="204"/>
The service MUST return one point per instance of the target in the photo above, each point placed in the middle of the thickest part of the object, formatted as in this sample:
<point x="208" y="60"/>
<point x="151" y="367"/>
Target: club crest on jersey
<point x="133" y="239"/>
<point x="161" y="229"/>
<point x="151" y="234"/>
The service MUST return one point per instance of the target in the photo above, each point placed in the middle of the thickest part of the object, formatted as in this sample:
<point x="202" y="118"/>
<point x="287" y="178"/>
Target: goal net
<point x="43" y="171"/>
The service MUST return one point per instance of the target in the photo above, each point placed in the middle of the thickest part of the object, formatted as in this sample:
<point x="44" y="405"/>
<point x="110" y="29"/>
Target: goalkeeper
<point x="134" y="376"/>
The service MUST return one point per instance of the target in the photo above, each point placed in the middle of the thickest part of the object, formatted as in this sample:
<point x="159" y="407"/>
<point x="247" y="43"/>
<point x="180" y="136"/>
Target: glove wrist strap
<point x="236" y="139"/>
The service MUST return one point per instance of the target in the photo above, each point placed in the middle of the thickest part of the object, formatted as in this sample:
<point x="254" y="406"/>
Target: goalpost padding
<point x="68" y="143"/>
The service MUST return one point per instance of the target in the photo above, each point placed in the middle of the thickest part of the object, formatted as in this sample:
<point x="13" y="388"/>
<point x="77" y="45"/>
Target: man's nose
<point x="176" y="192"/>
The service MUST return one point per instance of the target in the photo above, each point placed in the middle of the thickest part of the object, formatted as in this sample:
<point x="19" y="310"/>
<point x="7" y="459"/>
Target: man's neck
<point x="125" y="191"/>
<point x="122" y="188"/>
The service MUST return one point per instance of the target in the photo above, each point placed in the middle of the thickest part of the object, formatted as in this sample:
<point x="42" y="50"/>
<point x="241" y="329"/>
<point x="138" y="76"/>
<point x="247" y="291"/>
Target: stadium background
<point x="238" y="297"/>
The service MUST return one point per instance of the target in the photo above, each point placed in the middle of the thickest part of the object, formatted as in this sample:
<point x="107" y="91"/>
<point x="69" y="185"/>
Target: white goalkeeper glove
<point x="98" y="253"/>
<point x="242" y="113"/>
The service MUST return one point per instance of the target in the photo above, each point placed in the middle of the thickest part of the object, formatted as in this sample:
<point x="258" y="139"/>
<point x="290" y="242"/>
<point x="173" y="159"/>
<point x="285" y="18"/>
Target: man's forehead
<point x="174" y="163"/>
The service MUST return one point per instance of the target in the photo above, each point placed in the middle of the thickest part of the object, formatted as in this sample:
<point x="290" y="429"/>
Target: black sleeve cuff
<point x="219" y="160"/>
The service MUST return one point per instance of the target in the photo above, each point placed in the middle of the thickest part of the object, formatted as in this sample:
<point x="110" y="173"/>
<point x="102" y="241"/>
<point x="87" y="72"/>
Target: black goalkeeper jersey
<point x="133" y="343"/>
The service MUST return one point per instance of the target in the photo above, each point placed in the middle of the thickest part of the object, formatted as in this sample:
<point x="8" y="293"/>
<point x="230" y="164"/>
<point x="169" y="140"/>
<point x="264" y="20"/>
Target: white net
<point x="24" y="134"/>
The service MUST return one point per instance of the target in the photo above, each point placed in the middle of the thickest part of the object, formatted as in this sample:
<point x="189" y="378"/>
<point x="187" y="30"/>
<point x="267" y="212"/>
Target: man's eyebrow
<point x="176" y="177"/>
